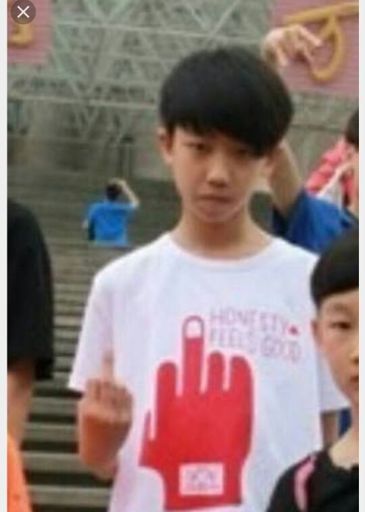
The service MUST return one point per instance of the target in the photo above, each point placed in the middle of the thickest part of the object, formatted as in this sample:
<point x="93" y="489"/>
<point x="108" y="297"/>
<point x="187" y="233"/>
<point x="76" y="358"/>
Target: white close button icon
<point x="23" y="11"/>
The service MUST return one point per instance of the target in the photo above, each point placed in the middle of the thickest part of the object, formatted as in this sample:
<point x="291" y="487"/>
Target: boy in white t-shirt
<point x="207" y="329"/>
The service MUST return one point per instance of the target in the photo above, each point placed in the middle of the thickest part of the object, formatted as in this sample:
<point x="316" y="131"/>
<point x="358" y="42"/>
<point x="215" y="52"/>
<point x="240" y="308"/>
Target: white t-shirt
<point x="226" y="379"/>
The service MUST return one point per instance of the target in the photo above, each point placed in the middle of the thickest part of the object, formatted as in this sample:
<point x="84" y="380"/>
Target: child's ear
<point x="316" y="332"/>
<point x="165" y="142"/>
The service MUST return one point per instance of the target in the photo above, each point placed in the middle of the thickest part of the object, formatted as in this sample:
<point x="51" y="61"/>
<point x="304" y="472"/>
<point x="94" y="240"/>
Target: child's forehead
<point x="346" y="301"/>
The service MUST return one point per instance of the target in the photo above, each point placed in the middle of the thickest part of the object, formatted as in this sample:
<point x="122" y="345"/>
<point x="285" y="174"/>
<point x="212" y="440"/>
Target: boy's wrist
<point x="107" y="471"/>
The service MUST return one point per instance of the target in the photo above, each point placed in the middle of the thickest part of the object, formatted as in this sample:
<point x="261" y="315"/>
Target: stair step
<point x="66" y="300"/>
<point x="63" y="308"/>
<point x="50" y="433"/>
<point x="53" y="463"/>
<point x="78" y="288"/>
<point x="68" y="321"/>
<point x="75" y="498"/>
<point x="65" y="348"/>
<point x="64" y="362"/>
<point x="66" y="334"/>
<point x="53" y="407"/>
<point x="54" y="388"/>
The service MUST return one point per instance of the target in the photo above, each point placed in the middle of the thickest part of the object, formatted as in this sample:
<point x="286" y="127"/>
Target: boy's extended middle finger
<point x="108" y="394"/>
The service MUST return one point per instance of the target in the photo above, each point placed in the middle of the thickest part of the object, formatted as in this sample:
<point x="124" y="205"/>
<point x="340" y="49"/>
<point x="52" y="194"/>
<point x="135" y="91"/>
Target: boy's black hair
<point x="337" y="270"/>
<point x="227" y="90"/>
<point x="112" y="190"/>
<point x="352" y="130"/>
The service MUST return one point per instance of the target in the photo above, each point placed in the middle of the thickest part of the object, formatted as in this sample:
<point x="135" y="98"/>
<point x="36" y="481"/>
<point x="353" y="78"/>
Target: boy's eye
<point x="198" y="146"/>
<point x="342" y="325"/>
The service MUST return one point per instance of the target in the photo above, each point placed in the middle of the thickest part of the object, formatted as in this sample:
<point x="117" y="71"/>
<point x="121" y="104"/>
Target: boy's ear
<point x="316" y="332"/>
<point x="165" y="142"/>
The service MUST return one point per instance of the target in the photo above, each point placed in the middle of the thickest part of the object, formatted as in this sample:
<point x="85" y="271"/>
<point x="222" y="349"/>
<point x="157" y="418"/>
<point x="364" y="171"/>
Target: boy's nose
<point x="218" y="173"/>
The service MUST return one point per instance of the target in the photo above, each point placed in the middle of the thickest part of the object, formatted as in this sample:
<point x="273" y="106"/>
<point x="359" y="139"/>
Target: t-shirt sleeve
<point x="312" y="223"/>
<point x="95" y="337"/>
<point x="282" y="498"/>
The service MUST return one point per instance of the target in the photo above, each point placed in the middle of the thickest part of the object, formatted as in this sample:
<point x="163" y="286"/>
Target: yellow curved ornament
<point x="331" y="30"/>
<point x="22" y="35"/>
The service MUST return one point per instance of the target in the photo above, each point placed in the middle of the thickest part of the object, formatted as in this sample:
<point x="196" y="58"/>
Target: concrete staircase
<point x="57" y="480"/>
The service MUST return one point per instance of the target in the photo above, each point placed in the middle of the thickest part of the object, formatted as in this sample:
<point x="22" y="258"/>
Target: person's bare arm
<point x="280" y="47"/>
<point x="104" y="418"/>
<point x="20" y="388"/>
<point x="132" y="196"/>
<point x="330" y="427"/>
<point x="285" y="181"/>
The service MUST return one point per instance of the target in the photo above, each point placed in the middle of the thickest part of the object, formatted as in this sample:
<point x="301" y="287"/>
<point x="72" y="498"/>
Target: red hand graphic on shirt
<point x="198" y="440"/>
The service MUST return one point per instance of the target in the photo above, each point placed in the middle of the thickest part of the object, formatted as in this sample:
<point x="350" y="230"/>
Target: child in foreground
<point x="328" y="481"/>
<point x="206" y="330"/>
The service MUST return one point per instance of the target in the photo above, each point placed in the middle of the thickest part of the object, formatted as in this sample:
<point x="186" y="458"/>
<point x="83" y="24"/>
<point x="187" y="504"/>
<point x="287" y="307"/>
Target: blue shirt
<point x="312" y="223"/>
<point x="108" y="222"/>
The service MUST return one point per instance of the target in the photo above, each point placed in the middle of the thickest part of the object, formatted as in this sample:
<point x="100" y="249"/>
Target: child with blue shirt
<point x="107" y="221"/>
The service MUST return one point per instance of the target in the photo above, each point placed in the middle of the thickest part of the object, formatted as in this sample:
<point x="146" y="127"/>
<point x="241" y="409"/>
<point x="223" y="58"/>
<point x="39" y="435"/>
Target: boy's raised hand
<point x="285" y="44"/>
<point x="104" y="420"/>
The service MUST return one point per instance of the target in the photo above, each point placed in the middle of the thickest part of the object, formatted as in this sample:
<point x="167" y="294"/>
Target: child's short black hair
<point x="112" y="190"/>
<point x="337" y="270"/>
<point x="227" y="90"/>
<point x="352" y="130"/>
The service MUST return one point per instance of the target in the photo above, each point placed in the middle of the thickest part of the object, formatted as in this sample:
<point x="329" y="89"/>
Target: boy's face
<point x="214" y="174"/>
<point x="337" y="332"/>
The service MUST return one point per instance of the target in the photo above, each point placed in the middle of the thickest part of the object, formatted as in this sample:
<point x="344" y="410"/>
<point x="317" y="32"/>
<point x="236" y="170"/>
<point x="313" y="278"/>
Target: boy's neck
<point x="345" y="453"/>
<point x="237" y="238"/>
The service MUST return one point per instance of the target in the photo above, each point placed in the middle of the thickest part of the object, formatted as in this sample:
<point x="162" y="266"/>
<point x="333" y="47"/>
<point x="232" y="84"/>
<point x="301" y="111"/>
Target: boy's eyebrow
<point x="338" y="307"/>
<point x="198" y="134"/>
<point x="211" y="136"/>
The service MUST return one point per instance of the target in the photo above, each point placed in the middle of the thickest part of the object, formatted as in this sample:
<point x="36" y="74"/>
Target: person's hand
<point x="198" y="437"/>
<point x="105" y="418"/>
<point x="284" y="44"/>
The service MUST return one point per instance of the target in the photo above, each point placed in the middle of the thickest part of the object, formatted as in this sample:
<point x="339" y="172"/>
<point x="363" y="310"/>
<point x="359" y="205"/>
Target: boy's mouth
<point x="215" y="198"/>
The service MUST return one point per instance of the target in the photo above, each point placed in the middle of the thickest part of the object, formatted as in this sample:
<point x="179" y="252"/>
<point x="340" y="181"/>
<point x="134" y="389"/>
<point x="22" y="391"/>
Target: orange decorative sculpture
<point x="330" y="16"/>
